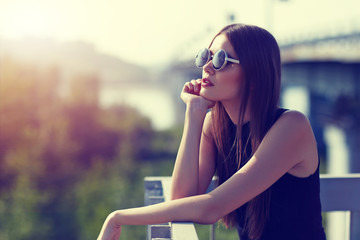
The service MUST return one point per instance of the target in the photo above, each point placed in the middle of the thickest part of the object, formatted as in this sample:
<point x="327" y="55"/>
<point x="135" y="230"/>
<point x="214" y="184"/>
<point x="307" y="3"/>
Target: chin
<point x="205" y="94"/>
<point x="210" y="98"/>
<point x="209" y="95"/>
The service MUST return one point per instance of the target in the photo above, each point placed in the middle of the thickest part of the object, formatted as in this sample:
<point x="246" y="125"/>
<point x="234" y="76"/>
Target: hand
<point x="111" y="229"/>
<point x="190" y="95"/>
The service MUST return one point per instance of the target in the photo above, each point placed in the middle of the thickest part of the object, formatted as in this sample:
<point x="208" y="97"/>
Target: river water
<point x="154" y="103"/>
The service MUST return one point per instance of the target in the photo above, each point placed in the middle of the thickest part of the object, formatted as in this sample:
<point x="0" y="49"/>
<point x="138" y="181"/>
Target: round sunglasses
<point x="219" y="59"/>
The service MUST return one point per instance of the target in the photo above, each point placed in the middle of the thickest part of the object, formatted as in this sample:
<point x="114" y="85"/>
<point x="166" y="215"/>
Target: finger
<point x="193" y="82"/>
<point x="196" y="85"/>
<point x="198" y="82"/>
<point x="186" y="86"/>
<point x="189" y="87"/>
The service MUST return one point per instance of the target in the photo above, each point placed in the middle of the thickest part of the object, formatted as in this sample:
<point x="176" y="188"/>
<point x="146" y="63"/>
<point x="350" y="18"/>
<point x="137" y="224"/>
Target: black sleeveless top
<point x="295" y="209"/>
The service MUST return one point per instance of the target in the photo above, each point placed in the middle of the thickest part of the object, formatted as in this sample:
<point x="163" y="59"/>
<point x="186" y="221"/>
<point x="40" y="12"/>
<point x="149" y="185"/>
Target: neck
<point x="233" y="110"/>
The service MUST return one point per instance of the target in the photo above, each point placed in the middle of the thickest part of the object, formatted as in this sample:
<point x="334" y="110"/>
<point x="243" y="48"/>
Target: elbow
<point x="174" y="196"/>
<point x="182" y="188"/>
<point x="178" y="195"/>
<point x="178" y="192"/>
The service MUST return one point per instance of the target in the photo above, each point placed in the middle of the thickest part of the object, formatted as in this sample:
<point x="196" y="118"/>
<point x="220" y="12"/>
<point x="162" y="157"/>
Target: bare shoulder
<point x="294" y="122"/>
<point x="296" y="117"/>
<point x="295" y="127"/>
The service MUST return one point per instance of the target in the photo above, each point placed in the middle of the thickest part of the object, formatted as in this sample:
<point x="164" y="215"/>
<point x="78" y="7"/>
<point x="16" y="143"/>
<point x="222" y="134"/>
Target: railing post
<point x="354" y="230"/>
<point x="154" y="194"/>
<point x="212" y="232"/>
<point x="157" y="190"/>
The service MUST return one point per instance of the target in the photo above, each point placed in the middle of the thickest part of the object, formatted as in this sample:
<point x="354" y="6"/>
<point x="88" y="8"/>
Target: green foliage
<point x="221" y="233"/>
<point x="66" y="162"/>
<point x="19" y="214"/>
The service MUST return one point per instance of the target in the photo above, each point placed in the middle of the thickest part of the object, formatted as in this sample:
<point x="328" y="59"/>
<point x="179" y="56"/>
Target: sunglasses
<point x="219" y="59"/>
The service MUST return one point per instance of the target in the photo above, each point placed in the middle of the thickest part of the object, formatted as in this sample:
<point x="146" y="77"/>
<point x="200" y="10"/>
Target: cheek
<point x="234" y="90"/>
<point x="234" y="82"/>
<point x="235" y="85"/>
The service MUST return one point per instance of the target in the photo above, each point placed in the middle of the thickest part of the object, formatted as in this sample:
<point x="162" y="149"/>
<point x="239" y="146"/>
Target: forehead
<point x="222" y="42"/>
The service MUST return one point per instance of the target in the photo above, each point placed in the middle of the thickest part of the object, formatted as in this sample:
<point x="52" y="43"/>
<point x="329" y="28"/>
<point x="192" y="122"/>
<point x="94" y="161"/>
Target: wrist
<point x="196" y="109"/>
<point x="195" y="116"/>
<point x="115" y="218"/>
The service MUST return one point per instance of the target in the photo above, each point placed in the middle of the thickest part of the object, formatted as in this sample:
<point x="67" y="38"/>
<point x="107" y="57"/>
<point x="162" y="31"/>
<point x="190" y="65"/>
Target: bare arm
<point x="189" y="176"/>
<point x="288" y="145"/>
<point x="184" y="209"/>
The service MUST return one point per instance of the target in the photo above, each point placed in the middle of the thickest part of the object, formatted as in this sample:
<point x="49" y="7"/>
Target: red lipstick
<point x="205" y="82"/>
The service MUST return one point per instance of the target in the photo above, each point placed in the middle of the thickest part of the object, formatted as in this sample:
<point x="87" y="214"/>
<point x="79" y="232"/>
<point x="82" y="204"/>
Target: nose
<point x="208" y="68"/>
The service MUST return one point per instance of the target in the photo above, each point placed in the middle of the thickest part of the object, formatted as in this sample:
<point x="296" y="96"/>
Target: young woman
<point x="265" y="157"/>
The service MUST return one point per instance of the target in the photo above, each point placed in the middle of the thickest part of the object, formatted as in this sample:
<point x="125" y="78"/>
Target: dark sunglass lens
<point x="202" y="57"/>
<point x="219" y="59"/>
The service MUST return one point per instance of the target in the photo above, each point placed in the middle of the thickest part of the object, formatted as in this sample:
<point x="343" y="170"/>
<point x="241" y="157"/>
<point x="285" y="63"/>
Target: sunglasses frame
<point x="210" y="57"/>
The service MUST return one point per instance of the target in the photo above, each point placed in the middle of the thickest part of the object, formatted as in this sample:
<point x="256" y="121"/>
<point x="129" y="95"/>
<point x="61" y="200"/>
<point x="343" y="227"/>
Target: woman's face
<point x="223" y="85"/>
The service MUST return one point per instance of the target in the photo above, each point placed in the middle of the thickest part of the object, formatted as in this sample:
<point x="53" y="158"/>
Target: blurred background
<point x="89" y="99"/>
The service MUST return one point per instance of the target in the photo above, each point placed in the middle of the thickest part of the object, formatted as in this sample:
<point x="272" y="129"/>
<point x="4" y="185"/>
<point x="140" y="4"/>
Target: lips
<point x="205" y="82"/>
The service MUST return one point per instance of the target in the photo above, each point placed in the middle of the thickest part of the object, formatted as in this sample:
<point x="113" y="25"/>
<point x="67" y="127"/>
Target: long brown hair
<point x="259" y="56"/>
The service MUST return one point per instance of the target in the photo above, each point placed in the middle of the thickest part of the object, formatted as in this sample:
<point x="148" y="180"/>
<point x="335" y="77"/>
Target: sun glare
<point x="27" y="19"/>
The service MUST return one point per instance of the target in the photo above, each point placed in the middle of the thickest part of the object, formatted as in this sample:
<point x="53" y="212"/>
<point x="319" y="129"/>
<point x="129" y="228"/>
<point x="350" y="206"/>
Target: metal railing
<point x="157" y="189"/>
<point x="338" y="193"/>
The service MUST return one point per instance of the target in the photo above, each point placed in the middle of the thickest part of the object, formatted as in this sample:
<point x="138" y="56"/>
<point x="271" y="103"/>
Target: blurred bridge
<point x="328" y="68"/>
<point x="341" y="45"/>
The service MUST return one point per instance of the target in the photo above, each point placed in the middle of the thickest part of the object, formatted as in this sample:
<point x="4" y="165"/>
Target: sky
<point x="155" y="32"/>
